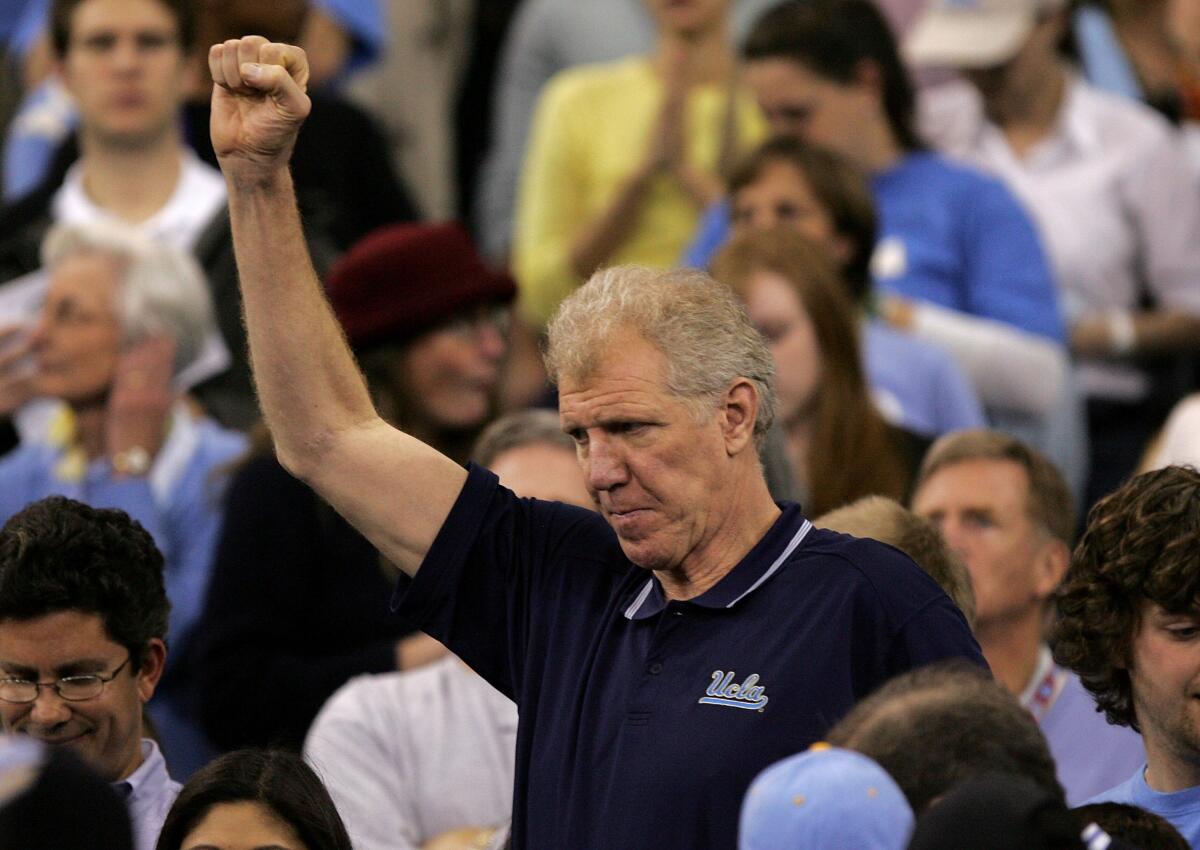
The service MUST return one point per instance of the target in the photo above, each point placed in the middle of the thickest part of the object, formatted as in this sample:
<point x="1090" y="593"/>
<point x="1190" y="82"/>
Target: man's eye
<point x="1184" y="632"/>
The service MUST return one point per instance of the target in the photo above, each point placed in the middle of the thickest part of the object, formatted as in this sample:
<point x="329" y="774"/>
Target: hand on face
<point x="141" y="397"/>
<point x="17" y="371"/>
<point x="258" y="104"/>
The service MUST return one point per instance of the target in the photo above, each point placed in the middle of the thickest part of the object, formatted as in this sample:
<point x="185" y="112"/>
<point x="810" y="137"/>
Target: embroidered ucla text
<point x="723" y="691"/>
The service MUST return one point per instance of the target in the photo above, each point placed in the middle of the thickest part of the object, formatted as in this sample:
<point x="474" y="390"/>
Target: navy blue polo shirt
<point x="643" y="720"/>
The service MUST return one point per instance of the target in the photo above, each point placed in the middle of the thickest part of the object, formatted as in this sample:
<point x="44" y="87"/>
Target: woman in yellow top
<point x="624" y="156"/>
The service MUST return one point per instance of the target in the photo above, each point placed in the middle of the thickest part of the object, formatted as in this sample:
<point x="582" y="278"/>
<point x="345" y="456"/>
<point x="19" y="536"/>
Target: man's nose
<point x="49" y="709"/>
<point x="490" y="342"/>
<point x="126" y="54"/>
<point x="604" y="465"/>
<point x="952" y="533"/>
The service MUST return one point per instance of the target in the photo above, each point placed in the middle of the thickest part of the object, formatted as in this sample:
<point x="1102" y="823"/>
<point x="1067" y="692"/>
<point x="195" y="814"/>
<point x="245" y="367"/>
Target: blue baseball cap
<point x="825" y="797"/>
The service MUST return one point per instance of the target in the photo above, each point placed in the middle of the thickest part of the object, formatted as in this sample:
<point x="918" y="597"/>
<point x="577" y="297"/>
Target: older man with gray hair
<point x="660" y="652"/>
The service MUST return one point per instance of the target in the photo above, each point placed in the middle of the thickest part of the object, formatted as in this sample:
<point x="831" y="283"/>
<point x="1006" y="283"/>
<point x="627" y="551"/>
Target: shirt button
<point x="655" y="668"/>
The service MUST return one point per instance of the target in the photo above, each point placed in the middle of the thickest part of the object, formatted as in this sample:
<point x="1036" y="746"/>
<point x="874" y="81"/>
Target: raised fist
<point x="258" y="105"/>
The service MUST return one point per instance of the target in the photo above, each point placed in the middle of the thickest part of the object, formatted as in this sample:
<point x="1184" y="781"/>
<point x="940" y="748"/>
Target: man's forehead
<point x="985" y="480"/>
<point x="97" y="16"/>
<point x="589" y="401"/>
<point x="56" y="639"/>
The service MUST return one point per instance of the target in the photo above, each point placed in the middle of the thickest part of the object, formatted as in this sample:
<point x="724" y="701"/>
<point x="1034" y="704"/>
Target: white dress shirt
<point x="1112" y="192"/>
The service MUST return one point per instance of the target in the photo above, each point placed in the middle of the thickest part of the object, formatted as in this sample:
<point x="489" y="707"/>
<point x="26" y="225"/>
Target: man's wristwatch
<point x="131" y="461"/>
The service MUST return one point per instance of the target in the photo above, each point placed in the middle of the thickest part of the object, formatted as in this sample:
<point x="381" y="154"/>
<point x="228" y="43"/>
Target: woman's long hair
<point x="851" y="453"/>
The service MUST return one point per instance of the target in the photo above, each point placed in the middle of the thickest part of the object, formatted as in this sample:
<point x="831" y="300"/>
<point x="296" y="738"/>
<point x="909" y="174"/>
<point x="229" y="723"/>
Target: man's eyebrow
<point x="261" y="847"/>
<point x="11" y="669"/>
<point x="77" y="667"/>
<point x="82" y="667"/>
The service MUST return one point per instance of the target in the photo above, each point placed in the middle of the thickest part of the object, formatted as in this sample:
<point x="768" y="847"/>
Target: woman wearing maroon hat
<point x="284" y="622"/>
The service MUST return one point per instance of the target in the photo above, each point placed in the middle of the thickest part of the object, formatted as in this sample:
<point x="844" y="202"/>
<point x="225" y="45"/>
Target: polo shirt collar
<point x="764" y="560"/>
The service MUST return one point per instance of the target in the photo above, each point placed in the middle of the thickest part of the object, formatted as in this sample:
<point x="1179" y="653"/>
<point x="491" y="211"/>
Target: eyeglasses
<point x="469" y="325"/>
<point x="70" y="688"/>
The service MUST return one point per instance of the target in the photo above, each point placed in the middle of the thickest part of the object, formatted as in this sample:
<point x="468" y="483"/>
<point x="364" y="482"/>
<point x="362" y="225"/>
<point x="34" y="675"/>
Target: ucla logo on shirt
<point x="724" y="691"/>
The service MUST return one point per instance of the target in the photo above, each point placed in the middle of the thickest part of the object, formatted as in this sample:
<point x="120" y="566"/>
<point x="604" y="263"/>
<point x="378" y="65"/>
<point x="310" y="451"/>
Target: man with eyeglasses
<point x="83" y="612"/>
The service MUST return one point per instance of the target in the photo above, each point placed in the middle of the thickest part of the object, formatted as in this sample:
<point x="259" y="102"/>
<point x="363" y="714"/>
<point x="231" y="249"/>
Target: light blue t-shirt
<point x="1181" y="808"/>
<point x="1090" y="753"/>
<point x="916" y="384"/>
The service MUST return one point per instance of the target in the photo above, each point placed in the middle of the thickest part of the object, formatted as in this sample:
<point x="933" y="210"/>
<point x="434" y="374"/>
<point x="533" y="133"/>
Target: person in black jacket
<point x="298" y="601"/>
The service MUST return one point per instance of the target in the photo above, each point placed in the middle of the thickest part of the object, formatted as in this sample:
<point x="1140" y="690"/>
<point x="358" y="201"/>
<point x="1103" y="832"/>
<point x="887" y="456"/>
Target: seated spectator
<point x="1112" y="192"/>
<point x="840" y="447"/>
<point x="134" y="167"/>
<point x="412" y="757"/>
<point x="1008" y="512"/>
<point x="1127" y="624"/>
<point x="299" y="600"/>
<point x="1144" y="830"/>
<point x="266" y="799"/>
<point x="999" y="813"/>
<point x="1178" y="443"/>
<point x="824" y="798"/>
<point x="42" y="788"/>
<point x="546" y="37"/>
<point x="937" y="726"/>
<point x="123" y="318"/>
<point x="785" y="182"/>
<point x="624" y="156"/>
<point x="83" y="611"/>
<point x="889" y="522"/>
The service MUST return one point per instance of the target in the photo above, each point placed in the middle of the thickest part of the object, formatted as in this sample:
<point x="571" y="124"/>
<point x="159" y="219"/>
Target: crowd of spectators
<point x="929" y="576"/>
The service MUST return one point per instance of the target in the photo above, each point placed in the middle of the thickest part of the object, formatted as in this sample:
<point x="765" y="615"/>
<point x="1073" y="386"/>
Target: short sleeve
<point x="501" y="569"/>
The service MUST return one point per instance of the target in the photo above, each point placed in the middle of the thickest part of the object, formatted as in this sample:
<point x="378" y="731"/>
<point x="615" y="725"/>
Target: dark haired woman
<point x="250" y="799"/>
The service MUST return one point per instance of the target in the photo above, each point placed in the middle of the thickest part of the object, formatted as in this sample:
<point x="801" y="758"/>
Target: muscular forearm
<point x="308" y="383"/>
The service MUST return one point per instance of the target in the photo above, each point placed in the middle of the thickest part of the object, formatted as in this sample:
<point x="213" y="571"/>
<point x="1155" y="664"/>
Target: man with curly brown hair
<point x="1129" y="625"/>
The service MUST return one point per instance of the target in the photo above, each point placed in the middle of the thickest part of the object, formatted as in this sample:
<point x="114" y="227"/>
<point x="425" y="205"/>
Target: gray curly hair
<point x="697" y="323"/>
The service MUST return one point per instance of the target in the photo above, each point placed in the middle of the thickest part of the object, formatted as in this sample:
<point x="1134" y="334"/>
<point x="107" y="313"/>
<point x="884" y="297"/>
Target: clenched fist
<point x="258" y="105"/>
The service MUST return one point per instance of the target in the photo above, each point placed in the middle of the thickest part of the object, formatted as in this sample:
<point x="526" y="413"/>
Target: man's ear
<point x="739" y="412"/>
<point x="868" y="75"/>
<point x="1053" y="559"/>
<point x="154" y="662"/>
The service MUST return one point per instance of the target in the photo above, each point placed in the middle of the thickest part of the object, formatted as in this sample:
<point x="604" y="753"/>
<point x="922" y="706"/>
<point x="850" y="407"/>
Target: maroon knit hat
<point x="404" y="279"/>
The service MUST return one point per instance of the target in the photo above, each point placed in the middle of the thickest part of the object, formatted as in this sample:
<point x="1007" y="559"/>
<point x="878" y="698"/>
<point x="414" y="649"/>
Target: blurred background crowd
<point x="972" y="226"/>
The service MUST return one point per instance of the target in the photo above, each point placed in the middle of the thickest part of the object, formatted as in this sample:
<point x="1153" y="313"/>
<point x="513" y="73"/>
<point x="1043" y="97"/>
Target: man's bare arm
<point x="394" y="489"/>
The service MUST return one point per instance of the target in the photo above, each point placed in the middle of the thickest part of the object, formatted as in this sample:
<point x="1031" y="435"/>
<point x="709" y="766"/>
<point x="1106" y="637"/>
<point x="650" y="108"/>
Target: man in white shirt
<point x="1008" y="512"/>
<point x="1106" y="180"/>
<point x="83" y="615"/>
